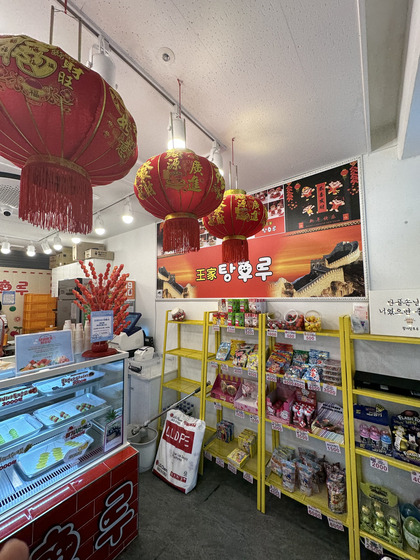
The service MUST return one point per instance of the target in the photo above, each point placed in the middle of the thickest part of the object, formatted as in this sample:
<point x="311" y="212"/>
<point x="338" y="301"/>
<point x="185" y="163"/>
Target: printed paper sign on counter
<point x="395" y="312"/>
<point x="101" y="326"/>
<point x="43" y="350"/>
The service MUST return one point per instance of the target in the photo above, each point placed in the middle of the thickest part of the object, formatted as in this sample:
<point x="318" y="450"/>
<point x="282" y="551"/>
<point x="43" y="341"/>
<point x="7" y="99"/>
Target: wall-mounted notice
<point x="395" y="312"/>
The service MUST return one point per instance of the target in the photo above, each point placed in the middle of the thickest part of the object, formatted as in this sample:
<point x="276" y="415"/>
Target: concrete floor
<point x="219" y="520"/>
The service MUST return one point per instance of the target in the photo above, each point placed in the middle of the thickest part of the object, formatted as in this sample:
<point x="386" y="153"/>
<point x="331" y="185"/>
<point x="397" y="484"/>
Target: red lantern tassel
<point x="234" y="249"/>
<point x="181" y="233"/>
<point x="55" y="193"/>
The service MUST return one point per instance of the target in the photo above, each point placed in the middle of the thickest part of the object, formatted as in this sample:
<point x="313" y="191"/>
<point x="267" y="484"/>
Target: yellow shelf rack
<point x="356" y="453"/>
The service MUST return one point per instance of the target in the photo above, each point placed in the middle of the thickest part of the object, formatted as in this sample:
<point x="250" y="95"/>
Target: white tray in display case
<point x="56" y="384"/>
<point x="58" y="412"/>
<point x="43" y="457"/>
<point x="16" y="428"/>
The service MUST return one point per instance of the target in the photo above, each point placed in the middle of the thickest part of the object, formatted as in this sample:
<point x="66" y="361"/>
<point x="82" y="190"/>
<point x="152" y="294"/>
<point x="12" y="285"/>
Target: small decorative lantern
<point x="239" y="216"/>
<point x="179" y="187"/>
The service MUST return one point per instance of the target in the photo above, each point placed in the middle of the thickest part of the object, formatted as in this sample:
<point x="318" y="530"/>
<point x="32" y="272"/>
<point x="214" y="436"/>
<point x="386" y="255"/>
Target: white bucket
<point x="146" y="448"/>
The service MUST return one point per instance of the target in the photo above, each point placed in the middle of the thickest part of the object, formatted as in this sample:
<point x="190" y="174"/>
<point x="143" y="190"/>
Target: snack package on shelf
<point x="223" y="351"/>
<point x="241" y="355"/>
<point x="225" y="430"/>
<point x="233" y="305"/>
<point x="257" y="305"/>
<point x="318" y="357"/>
<point x="288" y="469"/>
<point x="371" y="428"/>
<point x="379" y="513"/>
<point x="253" y="359"/>
<point x="222" y="306"/>
<point x="336" y="488"/>
<point x="300" y="357"/>
<point x="247" y="440"/>
<point x="279" y="404"/>
<point x="251" y="320"/>
<point x="331" y="372"/>
<point x="303" y="409"/>
<point x="231" y="318"/>
<point x="280" y="359"/>
<point x="238" y="457"/>
<point x="329" y="422"/>
<point x="281" y="453"/>
<point x="406" y="436"/>
<point x="243" y="305"/>
<point x="247" y="396"/>
<point x="239" y="319"/>
<point x="225" y="387"/>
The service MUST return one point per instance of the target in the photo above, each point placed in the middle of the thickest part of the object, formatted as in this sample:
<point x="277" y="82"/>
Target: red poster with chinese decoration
<point x="311" y="246"/>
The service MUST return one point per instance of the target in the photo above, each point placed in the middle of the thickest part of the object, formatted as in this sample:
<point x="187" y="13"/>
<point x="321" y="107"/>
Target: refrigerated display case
<point x="64" y="457"/>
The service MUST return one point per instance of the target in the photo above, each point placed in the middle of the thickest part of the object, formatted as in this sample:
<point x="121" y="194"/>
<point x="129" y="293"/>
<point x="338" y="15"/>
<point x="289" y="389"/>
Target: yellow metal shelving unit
<point x="356" y="454"/>
<point x="273" y="482"/>
<point x="182" y="385"/>
<point x="214" y="447"/>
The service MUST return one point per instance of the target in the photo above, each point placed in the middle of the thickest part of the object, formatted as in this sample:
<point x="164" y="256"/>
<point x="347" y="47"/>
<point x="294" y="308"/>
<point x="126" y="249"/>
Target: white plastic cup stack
<point x="86" y="336"/>
<point x="78" y="339"/>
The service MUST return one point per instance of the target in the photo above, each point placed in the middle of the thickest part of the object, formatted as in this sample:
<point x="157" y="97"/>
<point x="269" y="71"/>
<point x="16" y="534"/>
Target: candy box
<point x="279" y="404"/>
<point x="225" y="431"/>
<point x="222" y="306"/>
<point x="406" y="436"/>
<point x="239" y="319"/>
<point x="251" y="320"/>
<point x="371" y="428"/>
<point x="329" y="422"/>
<point x="243" y="305"/>
<point x="379" y="513"/>
<point x="225" y="387"/>
<point x="233" y="305"/>
<point x="257" y="305"/>
<point x="238" y="457"/>
<point x="246" y="397"/>
<point x="231" y="319"/>
<point x="247" y="440"/>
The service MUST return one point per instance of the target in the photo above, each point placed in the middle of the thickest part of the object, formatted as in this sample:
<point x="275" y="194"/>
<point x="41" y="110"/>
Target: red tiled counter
<point x="92" y="517"/>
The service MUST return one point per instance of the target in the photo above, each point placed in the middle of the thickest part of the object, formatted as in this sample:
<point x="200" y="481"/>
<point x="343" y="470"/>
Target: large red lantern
<point x="238" y="217"/>
<point x="65" y="127"/>
<point x="179" y="187"/>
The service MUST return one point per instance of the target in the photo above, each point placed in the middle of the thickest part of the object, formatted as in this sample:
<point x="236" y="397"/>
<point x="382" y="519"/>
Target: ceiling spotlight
<point x="76" y="240"/>
<point x="99" y="225"/>
<point x="5" y="247"/>
<point x="46" y="247"/>
<point x="101" y="62"/>
<point x="127" y="216"/>
<point x="216" y="157"/>
<point x="57" y="243"/>
<point x="30" y="250"/>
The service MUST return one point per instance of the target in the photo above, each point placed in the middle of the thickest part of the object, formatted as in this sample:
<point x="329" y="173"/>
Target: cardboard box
<point x="99" y="254"/>
<point x="64" y="257"/>
<point x="78" y="251"/>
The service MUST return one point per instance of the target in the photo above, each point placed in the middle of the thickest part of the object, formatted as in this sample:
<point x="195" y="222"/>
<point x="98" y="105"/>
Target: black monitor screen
<point x="133" y="319"/>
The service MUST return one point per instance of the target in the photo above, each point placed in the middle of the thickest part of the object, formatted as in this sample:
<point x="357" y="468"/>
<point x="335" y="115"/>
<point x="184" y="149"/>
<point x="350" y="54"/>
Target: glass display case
<point x="56" y="423"/>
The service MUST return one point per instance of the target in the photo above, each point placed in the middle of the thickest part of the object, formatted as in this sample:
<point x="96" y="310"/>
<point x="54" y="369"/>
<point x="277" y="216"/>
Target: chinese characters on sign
<point x="243" y="270"/>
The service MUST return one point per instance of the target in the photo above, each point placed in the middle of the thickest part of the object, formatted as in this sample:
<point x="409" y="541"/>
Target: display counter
<point x="67" y="472"/>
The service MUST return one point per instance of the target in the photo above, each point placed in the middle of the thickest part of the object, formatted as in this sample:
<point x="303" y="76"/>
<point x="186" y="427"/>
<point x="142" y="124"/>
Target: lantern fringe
<point x="56" y="196"/>
<point x="181" y="235"/>
<point x="234" y="250"/>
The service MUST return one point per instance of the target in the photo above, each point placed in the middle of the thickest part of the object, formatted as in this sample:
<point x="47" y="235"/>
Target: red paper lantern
<point x="65" y="127"/>
<point x="179" y="186"/>
<point x="239" y="216"/>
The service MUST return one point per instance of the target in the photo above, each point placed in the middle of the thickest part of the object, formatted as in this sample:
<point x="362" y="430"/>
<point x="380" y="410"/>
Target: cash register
<point x="132" y="336"/>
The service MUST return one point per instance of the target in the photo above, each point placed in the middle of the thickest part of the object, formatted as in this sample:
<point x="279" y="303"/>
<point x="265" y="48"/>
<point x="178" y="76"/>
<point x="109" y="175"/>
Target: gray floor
<point x="219" y="520"/>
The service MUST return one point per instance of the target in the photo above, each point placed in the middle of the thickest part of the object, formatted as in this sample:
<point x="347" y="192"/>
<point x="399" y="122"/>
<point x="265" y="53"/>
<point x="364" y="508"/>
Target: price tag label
<point x="379" y="464"/>
<point x="311" y="337"/>
<point x="232" y="469"/>
<point x="314" y="386"/>
<point x="248" y="477"/>
<point x="315" y="512"/>
<point x="249" y="331"/>
<point x="298" y="383"/>
<point x="288" y="381"/>
<point x="289" y="334"/>
<point x="415" y="477"/>
<point x="217" y="406"/>
<point x="271" y="377"/>
<point x="373" y="546"/>
<point x="208" y="455"/>
<point x="301" y="434"/>
<point x="335" y="524"/>
<point x="272" y="333"/>
<point x="330" y="389"/>
<point x="277" y="426"/>
<point x="220" y="462"/>
<point x="216" y="328"/>
<point x="213" y="364"/>
<point x="239" y="413"/>
<point x="225" y="368"/>
<point x="230" y="329"/>
<point x="275" y="491"/>
<point x="333" y="447"/>
<point x="253" y="373"/>
<point x="254" y="419"/>
<point x="237" y="371"/>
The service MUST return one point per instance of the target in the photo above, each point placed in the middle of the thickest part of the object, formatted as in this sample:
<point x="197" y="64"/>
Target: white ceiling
<point x="299" y="84"/>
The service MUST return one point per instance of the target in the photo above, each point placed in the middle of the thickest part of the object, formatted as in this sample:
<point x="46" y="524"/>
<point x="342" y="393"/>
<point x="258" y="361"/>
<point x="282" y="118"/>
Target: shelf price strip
<point x="314" y="386"/>
<point x="379" y="464"/>
<point x="315" y="512"/>
<point x="277" y="426"/>
<point x="253" y="373"/>
<point x="415" y="477"/>
<point x="254" y="419"/>
<point x="248" y="477"/>
<point x="225" y="368"/>
<point x="272" y="333"/>
<point x="301" y="434"/>
<point x="289" y="334"/>
<point x="239" y="413"/>
<point x="217" y="406"/>
<point x="249" y="331"/>
<point x="373" y="546"/>
<point x="230" y="329"/>
<point x="216" y="328"/>
<point x="333" y="447"/>
<point x="208" y="455"/>
<point x="232" y="468"/>
<point x="237" y="371"/>
<point x="310" y="337"/>
<point x="330" y="389"/>
<point x="275" y="491"/>
<point x="213" y="364"/>
<point x="220" y="462"/>
<point x="271" y="377"/>
<point x="335" y="524"/>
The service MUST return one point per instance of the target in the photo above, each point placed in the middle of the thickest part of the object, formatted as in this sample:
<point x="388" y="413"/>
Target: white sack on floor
<point x="179" y="450"/>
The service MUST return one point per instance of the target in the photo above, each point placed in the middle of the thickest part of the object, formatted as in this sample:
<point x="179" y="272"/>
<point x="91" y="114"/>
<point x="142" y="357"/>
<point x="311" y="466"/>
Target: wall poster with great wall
<point x="311" y="246"/>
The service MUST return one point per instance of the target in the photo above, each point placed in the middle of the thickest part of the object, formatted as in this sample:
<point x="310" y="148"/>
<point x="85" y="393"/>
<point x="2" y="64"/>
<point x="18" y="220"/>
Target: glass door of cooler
<point x="55" y="423"/>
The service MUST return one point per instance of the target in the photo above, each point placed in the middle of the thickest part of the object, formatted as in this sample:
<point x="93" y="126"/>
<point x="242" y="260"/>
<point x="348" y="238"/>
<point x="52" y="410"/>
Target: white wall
<point x="392" y="192"/>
